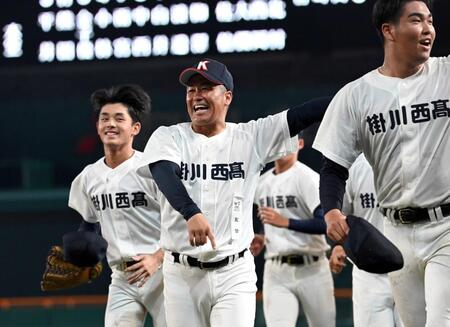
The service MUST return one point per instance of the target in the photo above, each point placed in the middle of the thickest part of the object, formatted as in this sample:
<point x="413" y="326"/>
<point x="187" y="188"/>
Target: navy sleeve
<point x="333" y="178"/>
<point x="306" y="114"/>
<point x="167" y="176"/>
<point x="315" y="225"/>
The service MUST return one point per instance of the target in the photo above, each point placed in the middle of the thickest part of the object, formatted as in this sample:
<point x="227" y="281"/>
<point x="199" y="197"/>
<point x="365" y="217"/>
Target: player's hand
<point x="337" y="259"/>
<point x="146" y="266"/>
<point x="271" y="217"/>
<point x="257" y="244"/>
<point x="337" y="228"/>
<point x="200" y="230"/>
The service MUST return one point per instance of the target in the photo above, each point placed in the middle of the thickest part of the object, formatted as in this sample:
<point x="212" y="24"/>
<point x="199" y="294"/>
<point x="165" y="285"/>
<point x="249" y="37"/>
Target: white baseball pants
<point x="128" y="304"/>
<point x="223" y="297"/>
<point x="421" y="288"/>
<point x="373" y="302"/>
<point x="286" y="287"/>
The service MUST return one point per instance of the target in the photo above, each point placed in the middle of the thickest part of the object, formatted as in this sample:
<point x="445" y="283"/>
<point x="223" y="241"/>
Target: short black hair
<point x="131" y="96"/>
<point x="389" y="11"/>
<point x="309" y="134"/>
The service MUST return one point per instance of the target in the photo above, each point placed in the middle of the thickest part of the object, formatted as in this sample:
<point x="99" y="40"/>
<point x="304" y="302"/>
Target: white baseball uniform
<point x="373" y="302"/>
<point x="220" y="174"/>
<point x="126" y="206"/>
<point x="294" y="194"/>
<point x="403" y="128"/>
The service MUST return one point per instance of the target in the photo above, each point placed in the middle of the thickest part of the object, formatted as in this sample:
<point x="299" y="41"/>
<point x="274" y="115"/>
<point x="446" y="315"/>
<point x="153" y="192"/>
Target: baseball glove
<point x="60" y="274"/>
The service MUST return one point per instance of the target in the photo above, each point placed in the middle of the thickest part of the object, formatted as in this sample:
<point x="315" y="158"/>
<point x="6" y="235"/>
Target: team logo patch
<point x="202" y="65"/>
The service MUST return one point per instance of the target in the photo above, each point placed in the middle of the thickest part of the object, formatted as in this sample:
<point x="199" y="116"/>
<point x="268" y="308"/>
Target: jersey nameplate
<point x="279" y="201"/>
<point x="119" y="200"/>
<point x="420" y="113"/>
<point x="219" y="171"/>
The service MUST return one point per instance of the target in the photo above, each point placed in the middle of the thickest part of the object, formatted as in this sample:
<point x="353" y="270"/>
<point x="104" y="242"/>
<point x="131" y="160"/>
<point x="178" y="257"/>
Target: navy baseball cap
<point x="213" y="70"/>
<point x="369" y="249"/>
<point x="84" y="248"/>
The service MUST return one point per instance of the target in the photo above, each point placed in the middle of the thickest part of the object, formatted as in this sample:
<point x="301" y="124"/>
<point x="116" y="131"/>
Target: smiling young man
<point x="398" y="115"/>
<point x="208" y="170"/>
<point x="110" y="192"/>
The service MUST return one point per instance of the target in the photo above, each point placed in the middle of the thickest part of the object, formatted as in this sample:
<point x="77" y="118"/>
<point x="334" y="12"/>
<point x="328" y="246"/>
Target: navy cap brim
<point x="186" y="75"/>
<point x="369" y="249"/>
<point x="84" y="248"/>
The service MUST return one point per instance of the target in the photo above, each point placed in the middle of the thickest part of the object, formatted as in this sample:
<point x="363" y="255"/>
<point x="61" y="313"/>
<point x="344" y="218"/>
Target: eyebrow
<point x="420" y="15"/>
<point x="117" y="114"/>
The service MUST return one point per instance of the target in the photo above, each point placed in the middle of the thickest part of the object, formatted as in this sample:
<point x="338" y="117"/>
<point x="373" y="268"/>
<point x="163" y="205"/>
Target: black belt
<point x="130" y="263"/>
<point x="295" y="259"/>
<point x="122" y="265"/>
<point x="414" y="215"/>
<point x="194" y="262"/>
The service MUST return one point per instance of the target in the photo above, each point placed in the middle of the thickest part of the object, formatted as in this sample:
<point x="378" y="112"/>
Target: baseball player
<point x="398" y="115"/>
<point x="296" y="270"/>
<point x="373" y="302"/>
<point x="110" y="192"/>
<point x="208" y="170"/>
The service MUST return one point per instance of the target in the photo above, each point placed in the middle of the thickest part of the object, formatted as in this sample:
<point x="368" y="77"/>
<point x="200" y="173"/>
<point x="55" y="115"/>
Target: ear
<point x="301" y="144"/>
<point x="96" y="127"/>
<point x="228" y="97"/>
<point x="136" y="128"/>
<point x="388" y="30"/>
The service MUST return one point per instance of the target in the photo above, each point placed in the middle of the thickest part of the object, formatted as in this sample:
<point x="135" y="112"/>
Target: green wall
<point x="92" y="316"/>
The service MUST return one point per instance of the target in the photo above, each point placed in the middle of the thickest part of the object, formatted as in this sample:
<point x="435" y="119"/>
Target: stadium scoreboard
<point x="57" y="31"/>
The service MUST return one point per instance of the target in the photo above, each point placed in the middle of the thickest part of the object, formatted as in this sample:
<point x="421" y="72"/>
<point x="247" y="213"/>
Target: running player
<point x="296" y="270"/>
<point x="110" y="192"/>
<point x="398" y="115"/>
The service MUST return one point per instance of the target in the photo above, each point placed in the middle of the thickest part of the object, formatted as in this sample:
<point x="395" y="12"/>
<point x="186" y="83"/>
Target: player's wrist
<point x="283" y="222"/>
<point x="290" y="223"/>
<point x="337" y="248"/>
<point x="333" y="214"/>
<point x="159" y="255"/>
<point x="191" y="213"/>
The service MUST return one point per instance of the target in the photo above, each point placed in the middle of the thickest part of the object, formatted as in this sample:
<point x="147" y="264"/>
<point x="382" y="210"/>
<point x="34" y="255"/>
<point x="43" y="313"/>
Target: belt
<point x="296" y="259"/>
<point x="122" y="265"/>
<point x="194" y="262"/>
<point x="413" y="215"/>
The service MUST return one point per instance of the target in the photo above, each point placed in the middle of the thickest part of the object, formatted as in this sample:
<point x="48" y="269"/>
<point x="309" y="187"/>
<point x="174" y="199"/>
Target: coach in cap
<point x="208" y="170"/>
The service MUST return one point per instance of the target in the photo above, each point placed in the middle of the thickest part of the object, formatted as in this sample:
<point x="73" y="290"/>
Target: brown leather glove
<point x="60" y="274"/>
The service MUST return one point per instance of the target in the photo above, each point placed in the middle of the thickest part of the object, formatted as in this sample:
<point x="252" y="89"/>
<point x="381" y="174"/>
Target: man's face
<point x="115" y="126"/>
<point x="207" y="103"/>
<point x="414" y="33"/>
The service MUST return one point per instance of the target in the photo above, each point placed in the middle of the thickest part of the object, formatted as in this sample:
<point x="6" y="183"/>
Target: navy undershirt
<point x="333" y="178"/>
<point x="167" y="176"/>
<point x="316" y="225"/>
<point x="306" y="114"/>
